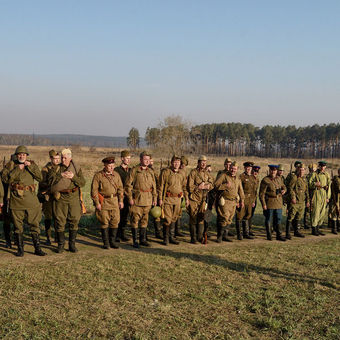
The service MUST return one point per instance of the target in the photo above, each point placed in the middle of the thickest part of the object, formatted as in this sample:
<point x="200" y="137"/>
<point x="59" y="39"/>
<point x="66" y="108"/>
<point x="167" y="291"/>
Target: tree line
<point x="174" y="135"/>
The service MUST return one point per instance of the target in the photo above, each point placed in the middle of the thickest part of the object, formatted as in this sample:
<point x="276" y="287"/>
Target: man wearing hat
<point x="230" y="196"/>
<point x="280" y="171"/>
<point x="44" y="193"/>
<point x="320" y="185"/>
<point x="307" y="217"/>
<point x="199" y="183"/>
<point x="183" y="169"/>
<point x="65" y="181"/>
<point x="291" y="173"/>
<point x="171" y="190"/>
<point x="243" y="214"/>
<point x="141" y="190"/>
<point x="23" y="202"/>
<point x="107" y="193"/>
<point x="298" y="199"/>
<point x="334" y="205"/>
<point x="227" y="164"/>
<point x="124" y="170"/>
<point x="272" y="189"/>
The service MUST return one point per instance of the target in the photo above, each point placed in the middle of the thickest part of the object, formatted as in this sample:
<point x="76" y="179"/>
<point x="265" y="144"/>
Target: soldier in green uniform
<point x="44" y="194"/>
<point x="298" y="200"/>
<point x="140" y="188"/>
<point x="65" y="182"/>
<point x="320" y="185"/>
<point x="272" y="189"/>
<point x="230" y="196"/>
<point x="199" y="183"/>
<point x="334" y="205"/>
<point x="171" y="190"/>
<point x="243" y="214"/>
<point x="280" y="171"/>
<point x="107" y="193"/>
<point x="227" y="164"/>
<point x="183" y="169"/>
<point x="20" y="176"/>
<point x="307" y="215"/>
<point x="124" y="170"/>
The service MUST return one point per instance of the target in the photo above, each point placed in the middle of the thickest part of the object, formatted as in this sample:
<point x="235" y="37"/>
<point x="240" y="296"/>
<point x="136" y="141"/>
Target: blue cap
<point x="273" y="166"/>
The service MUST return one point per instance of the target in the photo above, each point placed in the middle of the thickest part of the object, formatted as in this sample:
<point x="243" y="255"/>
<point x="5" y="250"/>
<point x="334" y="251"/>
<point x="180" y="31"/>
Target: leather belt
<point x="170" y="194"/>
<point x="67" y="191"/>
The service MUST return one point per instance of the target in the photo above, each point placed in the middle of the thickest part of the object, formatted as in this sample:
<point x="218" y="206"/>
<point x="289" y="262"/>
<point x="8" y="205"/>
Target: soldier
<point x="255" y="172"/>
<point x="199" y="183"/>
<point x="298" y="199"/>
<point x="44" y="194"/>
<point x="156" y="220"/>
<point x="280" y="171"/>
<point x="107" y="193"/>
<point x="227" y="164"/>
<point x="140" y="188"/>
<point x="243" y="214"/>
<point x="171" y="190"/>
<point x="320" y="185"/>
<point x="272" y="189"/>
<point x="124" y="171"/>
<point x="334" y="207"/>
<point x="183" y="169"/>
<point x="23" y="202"/>
<point x="307" y="217"/>
<point x="292" y="173"/>
<point x="65" y="182"/>
<point x="230" y="196"/>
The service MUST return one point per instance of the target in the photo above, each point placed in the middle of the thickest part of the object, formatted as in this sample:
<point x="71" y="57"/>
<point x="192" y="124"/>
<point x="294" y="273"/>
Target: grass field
<point x="246" y="289"/>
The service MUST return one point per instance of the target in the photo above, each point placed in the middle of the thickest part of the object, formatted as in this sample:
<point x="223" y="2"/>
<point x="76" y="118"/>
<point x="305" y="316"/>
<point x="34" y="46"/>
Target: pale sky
<point x="102" y="67"/>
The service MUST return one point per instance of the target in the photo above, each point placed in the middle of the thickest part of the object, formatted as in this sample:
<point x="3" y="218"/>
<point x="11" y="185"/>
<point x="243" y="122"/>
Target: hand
<point x="160" y="202"/>
<point x="121" y="205"/>
<point x="283" y="192"/>
<point x="327" y="200"/>
<point x="1" y="205"/>
<point x="201" y="186"/>
<point x="131" y="202"/>
<point x="207" y="186"/>
<point x="67" y="174"/>
<point x="242" y="204"/>
<point x="154" y="203"/>
<point x="318" y="184"/>
<point x="27" y="163"/>
<point x="253" y="205"/>
<point x="294" y="201"/>
<point x="187" y="203"/>
<point x="21" y="166"/>
<point x="307" y="205"/>
<point x="264" y="207"/>
<point x="99" y="207"/>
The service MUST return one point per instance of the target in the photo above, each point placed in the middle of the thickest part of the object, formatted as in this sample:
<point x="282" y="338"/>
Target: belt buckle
<point x="111" y="195"/>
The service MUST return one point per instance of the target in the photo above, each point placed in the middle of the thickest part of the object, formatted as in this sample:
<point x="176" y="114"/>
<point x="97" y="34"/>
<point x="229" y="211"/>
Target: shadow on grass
<point x="236" y="266"/>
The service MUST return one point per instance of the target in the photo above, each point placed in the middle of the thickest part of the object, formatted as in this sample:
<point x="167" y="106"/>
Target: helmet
<point x="21" y="149"/>
<point x="156" y="212"/>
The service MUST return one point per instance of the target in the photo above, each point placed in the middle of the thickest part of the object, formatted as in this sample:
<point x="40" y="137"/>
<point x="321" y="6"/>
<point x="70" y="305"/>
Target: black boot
<point x="225" y="235"/>
<point x="166" y="231"/>
<point x="123" y="235"/>
<point x="249" y="227"/>
<point x="314" y="231"/>
<point x="36" y="243"/>
<point x="142" y="238"/>
<point x="135" y="243"/>
<point x="268" y="231"/>
<point x="238" y="230"/>
<point x="172" y="239"/>
<point x="113" y="238"/>
<point x="178" y="228"/>
<point x="61" y="241"/>
<point x="296" y="229"/>
<point x="72" y="241"/>
<point x="19" y="240"/>
<point x="48" y="224"/>
<point x="279" y="237"/>
<point x="200" y="230"/>
<point x="157" y="225"/>
<point x="338" y="226"/>
<point x="193" y="234"/>
<point x="220" y="232"/>
<point x="7" y="232"/>
<point x="105" y="238"/>
<point x="246" y="230"/>
<point x="288" y="237"/>
<point x="319" y="231"/>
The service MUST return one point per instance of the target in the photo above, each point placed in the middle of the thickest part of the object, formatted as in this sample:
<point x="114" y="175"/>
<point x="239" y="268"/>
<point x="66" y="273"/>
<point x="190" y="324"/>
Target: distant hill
<point x="64" y="139"/>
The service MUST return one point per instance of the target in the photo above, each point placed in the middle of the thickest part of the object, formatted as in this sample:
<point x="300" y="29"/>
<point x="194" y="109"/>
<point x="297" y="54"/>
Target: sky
<point x="101" y="67"/>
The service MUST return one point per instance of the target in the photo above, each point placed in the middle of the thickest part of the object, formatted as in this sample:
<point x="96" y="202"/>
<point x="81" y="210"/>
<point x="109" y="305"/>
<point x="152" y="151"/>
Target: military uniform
<point x="230" y="194"/>
<point x="334" y="205"/>
<point x="66" y="202"/>
<point x="271" y="197"/>
<point x="244" y="214"/>
<point x="124" y="213"/>
<point x="297" y="191"/>
<point x="197" y="201"/>
<point x="171" y="189"/>
<point x="23" y="200"/>
<point x="107" y="190"/>
<point x="319" y="198"/>
<point x="156" y="220"/>
<point x="140" y="187"/>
